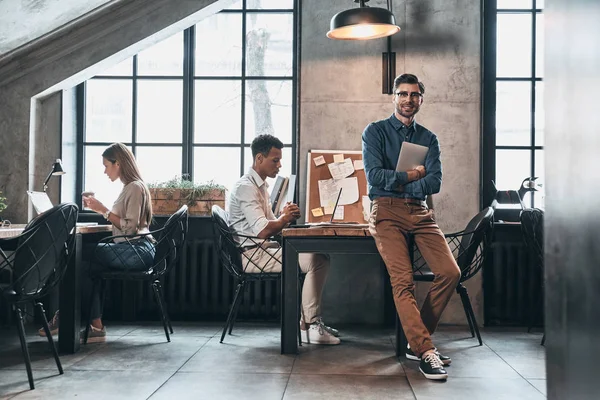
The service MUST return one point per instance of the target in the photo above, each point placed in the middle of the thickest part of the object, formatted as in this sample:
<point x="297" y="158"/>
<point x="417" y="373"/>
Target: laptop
<point x="42" y="203"/>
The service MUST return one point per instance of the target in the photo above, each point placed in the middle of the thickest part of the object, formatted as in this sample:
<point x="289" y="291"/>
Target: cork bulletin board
<point x="352" y="212"/>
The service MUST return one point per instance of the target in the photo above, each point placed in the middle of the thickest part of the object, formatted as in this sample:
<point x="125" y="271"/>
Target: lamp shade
<point x="363" y="23"/>
<point x="57" y="168"/>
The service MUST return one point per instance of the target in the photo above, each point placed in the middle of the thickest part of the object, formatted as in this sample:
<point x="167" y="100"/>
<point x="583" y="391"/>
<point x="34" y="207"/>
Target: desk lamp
<point x="56" y="170"/>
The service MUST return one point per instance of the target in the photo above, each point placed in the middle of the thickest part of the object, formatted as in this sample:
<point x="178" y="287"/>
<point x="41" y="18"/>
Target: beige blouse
<point x="128" y="206"/>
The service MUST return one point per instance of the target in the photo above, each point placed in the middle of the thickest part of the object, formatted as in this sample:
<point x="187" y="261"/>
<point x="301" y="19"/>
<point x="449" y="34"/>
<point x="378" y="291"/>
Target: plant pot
<point x="166" y="201"/>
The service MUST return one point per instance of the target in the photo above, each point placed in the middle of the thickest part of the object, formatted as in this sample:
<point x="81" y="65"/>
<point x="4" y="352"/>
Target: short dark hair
<point x="408" y="78"/>
<point x="264" y="143"/>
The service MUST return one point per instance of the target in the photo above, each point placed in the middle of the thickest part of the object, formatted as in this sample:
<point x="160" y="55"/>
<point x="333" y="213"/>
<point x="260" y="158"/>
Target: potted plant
<point x="2" y="205"/>
<point x="167" y="197"/>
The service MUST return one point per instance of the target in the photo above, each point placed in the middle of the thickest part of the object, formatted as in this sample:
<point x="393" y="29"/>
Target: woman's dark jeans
<point x="137" y="256"/>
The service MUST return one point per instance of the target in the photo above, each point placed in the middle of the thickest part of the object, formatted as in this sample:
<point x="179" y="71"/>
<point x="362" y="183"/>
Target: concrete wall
<point x="340" y="93"/>
<point x="31" y="76"/>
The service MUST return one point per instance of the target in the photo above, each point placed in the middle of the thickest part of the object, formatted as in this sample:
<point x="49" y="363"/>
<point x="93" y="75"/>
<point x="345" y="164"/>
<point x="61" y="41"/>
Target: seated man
<point x="250" y="214"/>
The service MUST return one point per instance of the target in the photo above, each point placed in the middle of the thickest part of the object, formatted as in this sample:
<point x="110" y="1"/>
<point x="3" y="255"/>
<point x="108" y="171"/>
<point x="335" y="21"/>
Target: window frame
<point x="489" y="145"/>
<point x="189" y="80"/>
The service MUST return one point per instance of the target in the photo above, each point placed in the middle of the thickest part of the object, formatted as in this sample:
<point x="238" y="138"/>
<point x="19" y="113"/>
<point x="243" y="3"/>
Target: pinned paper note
<point x="338" y="158"/>
<point x="317" y="212"/>
<point x="329" y="209"/>
<point x="340" y="170"/>
<point x="366" y="206"/>
<point x="339" y="212"/>
<point x="358" y="164"/>
<point x="319" y="160"/>
<point x="330" y="188"/>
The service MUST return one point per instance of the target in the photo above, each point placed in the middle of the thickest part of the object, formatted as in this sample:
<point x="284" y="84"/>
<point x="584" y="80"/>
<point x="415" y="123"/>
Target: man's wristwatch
<point x="106" y="214"/>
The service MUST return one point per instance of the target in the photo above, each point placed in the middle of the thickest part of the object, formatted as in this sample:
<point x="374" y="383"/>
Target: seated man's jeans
<point x="137" y="256"/>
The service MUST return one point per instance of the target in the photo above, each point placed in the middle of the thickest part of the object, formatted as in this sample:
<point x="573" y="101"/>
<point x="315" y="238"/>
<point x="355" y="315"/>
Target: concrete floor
<point x="136" y="362"/>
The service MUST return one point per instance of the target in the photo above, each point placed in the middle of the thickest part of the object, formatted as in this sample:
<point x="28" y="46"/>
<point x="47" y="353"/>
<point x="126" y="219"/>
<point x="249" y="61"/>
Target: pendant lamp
<point x="363" y="23"/>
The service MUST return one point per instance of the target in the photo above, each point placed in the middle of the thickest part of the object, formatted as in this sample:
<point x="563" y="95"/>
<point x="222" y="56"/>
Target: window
<point x="191" y="104"/>
<point x="513" y="108"/>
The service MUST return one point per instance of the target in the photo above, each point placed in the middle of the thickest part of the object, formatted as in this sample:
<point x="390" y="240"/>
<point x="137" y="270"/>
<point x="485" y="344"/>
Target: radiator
<point x="198" y="287"/>
<point x="512" y="285"/>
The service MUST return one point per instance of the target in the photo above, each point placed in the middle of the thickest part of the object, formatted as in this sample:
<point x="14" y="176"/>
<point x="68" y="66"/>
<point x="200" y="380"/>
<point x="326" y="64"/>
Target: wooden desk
<point x="328" y="240"/>
<point x="70" y="287"/>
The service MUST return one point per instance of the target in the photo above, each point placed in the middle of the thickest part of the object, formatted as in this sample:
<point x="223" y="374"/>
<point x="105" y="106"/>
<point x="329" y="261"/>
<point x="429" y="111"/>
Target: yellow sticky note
<point x="317" y="212"/>
<point x="319" y="160"/>
<point x="338" y="158"/>
<point x="328" y="210"/>
<point x="358" y="164"/>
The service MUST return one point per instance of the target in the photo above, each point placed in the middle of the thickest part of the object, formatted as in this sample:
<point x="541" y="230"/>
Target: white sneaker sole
<point x="435" y="377"/>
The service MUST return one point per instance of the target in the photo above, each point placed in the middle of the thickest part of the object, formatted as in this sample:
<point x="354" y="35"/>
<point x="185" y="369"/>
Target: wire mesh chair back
<point x="532" y="226"/>
<point x="42" y="253"/>
<point x="229" y="252"/>
<point x="170" y="242"/>
<point x="468" y="246"/>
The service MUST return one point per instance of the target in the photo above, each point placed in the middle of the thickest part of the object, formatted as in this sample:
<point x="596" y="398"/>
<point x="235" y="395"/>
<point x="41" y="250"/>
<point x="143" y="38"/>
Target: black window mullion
<point x="243" y="89"/>
<point x="533" y="97"/>
<point x="80" y="133"/>
<point x="295" y="103"/>
<point x="134" y="100"/>
<point x="188" y="102"/>
<point x="488" y="136"/>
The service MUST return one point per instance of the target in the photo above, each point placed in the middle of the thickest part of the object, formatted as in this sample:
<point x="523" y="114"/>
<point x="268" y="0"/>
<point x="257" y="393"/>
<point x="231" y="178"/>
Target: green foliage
<point x="196" y="190"/>
<point x="2" y="202"/>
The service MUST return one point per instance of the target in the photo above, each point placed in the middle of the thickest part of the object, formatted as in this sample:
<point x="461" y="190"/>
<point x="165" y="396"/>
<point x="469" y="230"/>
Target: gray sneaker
<point x="95" y="335"/>
<point x="329" y="329"/>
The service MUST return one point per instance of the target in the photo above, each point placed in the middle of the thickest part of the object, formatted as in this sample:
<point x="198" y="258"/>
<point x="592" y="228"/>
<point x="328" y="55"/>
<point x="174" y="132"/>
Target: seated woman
<point x="130" y="214"/>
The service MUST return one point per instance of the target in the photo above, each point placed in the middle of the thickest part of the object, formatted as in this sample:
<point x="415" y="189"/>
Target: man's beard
<point x="405" y="114"/>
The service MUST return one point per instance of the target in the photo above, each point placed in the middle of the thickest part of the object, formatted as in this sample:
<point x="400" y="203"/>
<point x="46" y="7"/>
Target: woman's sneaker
<point x="317" y="334"/>
<point x="95" y="335"/>
<point x="432" y="368"/>
<point x="53" y="325"/>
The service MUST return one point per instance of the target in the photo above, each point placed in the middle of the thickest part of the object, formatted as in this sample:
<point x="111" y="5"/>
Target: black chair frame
<point x="469" y="248"/>
<point x="169" y="245"/>
<point x="532" y="227"/>
<point x="234" y="257"/>
<point x="37" y="260"/>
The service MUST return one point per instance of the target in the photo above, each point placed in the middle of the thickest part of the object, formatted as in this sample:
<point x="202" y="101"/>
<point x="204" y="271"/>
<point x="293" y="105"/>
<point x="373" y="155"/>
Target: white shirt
<point x="249" y="206"/>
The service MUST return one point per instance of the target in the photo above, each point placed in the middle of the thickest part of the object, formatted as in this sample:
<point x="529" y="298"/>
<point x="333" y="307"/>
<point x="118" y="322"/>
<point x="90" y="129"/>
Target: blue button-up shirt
<point x="381" y="143"/>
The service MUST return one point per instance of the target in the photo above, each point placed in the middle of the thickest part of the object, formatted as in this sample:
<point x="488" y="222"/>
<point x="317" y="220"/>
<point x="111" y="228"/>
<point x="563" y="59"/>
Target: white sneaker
<point x="317" y="334"/>
<point x="329" y="329"/>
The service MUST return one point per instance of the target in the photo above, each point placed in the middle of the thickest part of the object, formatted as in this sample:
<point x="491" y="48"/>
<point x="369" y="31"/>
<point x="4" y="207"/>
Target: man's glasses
<point x="413" y="95"/>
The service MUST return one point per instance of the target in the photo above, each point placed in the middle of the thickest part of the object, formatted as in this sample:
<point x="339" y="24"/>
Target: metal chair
<point x="469" y="248"/>
<point x="235" y="262"/>
<point x="38" y="259"/>
<point x="532" y="226"/>
<point x="170" y="240"/>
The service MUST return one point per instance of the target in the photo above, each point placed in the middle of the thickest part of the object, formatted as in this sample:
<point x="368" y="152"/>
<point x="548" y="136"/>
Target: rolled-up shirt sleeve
<point x="251" y="207"/>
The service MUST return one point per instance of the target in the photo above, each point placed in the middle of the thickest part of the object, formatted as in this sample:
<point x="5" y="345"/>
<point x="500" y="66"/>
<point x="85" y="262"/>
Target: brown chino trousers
<point x="390" y="219"/>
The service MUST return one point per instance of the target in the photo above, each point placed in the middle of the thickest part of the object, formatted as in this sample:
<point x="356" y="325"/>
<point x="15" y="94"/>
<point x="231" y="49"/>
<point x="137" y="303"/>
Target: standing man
<point x="399" y="208"/>
<point x="250" y="214"/>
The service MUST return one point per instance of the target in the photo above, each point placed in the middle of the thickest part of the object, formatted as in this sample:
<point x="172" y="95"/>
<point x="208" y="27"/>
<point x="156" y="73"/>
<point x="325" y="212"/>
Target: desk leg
<point x="401" y="341"/>
<point x="289" y="300"/>
<point x="69" y="303"/>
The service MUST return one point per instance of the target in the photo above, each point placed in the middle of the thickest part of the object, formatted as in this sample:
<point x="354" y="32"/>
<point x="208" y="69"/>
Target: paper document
<point x="339" y="213"/>
<point x="330" y="188"/>
<point x="411" y="156"/>
<point x="340" y="170"/>
<point x="366" y="205"/>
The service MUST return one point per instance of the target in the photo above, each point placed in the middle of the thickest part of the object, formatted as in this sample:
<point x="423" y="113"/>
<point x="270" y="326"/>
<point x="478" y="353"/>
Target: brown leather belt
<point x="415" y="202"/>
